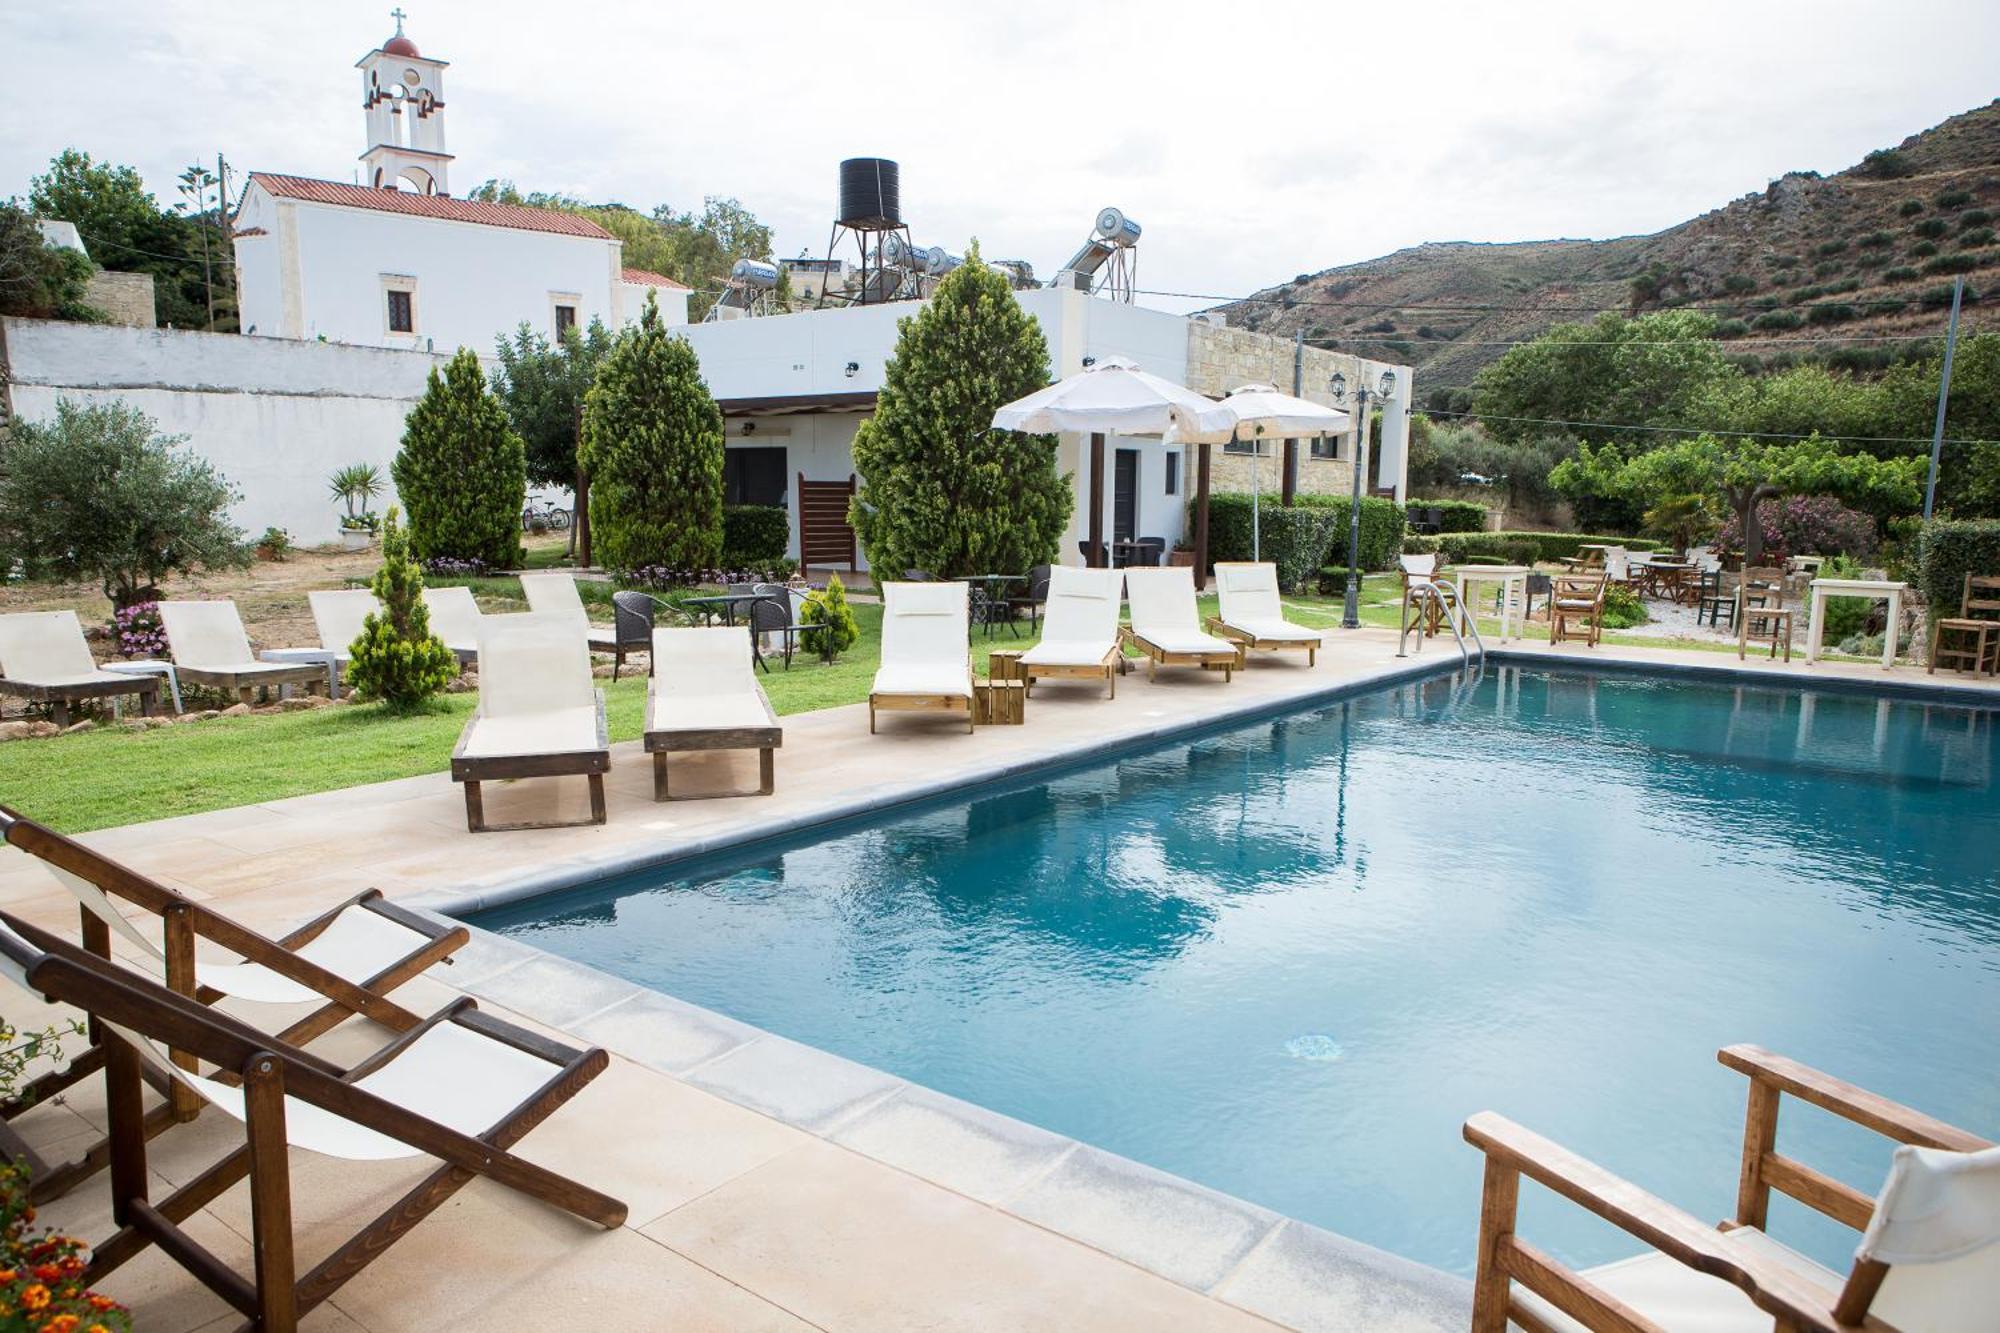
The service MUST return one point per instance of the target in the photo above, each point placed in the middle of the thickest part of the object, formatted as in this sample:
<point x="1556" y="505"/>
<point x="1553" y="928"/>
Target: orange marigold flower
<point x="34" y="1297"/>
<point x="62" y="1323"/>
<point x="48" y="1272"/>
<point x="72" y="1265"/>
<point x="98" y="1302"/>
<point x="8" y="1274"/>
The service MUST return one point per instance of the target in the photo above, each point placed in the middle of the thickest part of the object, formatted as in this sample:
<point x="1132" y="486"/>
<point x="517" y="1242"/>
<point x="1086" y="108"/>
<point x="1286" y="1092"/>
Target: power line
<point x="1697" y="430"/>
<point x="1323" y="339"/>
<point x="1289" y="302"/>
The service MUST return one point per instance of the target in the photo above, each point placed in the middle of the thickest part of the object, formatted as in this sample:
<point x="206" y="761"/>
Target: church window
<point x="402" y="312"/>
<point x="565" y="319"/>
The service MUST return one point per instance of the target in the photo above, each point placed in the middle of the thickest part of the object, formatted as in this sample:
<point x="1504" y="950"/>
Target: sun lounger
<point x="540" y="715"/>
<point x="926" y="663"/>
<point x="339" y="615"/>
<point x="704" y="695"/>
<point x="456" y="619"/>
<point x="553" y="592"/>
<point x="343" y="962"/>
<point x="45" y="658"/>
<point x="1079" y="629"/>
<point x="1167" y="627"/>
<point x="210" y="648"/>
<point x="1929" y="1256"/>
<point x="1250" y="613"/>
<point x="460" y="1087"/>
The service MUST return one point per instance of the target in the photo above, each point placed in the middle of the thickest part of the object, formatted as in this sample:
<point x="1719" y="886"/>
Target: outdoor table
<point x="1869" y="588"/>
<point x="325" y="657"/>
<point x="995" y="586"/>
<point x="725" y="603"/>
<point x="1510" y="578"/>
<point x="146" y="666"/>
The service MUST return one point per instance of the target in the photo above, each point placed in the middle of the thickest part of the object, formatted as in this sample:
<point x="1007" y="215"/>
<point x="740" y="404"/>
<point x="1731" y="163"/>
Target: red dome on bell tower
<point x="400" y="45"/>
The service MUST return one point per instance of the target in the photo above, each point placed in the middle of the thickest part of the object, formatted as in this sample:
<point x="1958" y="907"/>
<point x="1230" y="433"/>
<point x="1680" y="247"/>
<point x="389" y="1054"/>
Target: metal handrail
<point x="1450" y="610"/>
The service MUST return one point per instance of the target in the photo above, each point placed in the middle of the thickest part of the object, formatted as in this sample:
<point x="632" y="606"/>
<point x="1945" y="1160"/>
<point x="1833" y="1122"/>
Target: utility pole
<point x="1944" y="394"/>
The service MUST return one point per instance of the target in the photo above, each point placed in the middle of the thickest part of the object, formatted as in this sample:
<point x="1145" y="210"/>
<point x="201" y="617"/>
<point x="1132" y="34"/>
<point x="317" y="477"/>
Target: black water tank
<point x="870" y="197"/>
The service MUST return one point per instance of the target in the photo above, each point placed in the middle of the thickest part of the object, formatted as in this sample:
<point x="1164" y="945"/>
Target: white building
<point x="794" y="389"/>
<point x="397" y="262"/>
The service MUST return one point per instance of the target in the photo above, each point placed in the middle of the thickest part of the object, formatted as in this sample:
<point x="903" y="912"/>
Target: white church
<point x="394" y="261"/>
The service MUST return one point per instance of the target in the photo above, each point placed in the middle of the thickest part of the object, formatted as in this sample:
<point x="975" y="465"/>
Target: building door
<point x="1125" y="496"/>
<point x="754" y="476"/>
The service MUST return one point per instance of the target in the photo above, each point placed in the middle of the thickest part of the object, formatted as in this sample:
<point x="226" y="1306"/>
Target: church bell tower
<point x="402" y="93"/>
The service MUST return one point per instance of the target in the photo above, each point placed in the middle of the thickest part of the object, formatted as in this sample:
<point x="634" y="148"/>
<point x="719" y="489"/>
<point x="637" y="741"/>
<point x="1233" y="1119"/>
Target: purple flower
<point x="140" y="632"/>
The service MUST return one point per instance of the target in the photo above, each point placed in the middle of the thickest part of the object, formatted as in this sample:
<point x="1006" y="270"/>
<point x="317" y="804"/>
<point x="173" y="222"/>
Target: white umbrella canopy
<point x="1115" y="397"/>
<point x="1254" y="410"/>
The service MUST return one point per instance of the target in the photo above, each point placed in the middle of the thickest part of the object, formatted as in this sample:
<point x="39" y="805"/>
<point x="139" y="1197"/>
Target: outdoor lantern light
<point x="853" y="369"/>
<point x="1350" y="617"/>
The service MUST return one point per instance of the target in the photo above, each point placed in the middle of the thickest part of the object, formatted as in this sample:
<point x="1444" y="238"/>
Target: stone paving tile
<point x="1162" y="1223"/>
<point x="554" y="990"/>
<point x="800" y="1085"/>
<point x="1313" y="1280"/>
<point x="979" y="1153"/>
<point x="664" y="1033"/>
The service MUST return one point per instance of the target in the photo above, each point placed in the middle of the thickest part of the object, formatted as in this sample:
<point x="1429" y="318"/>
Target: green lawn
<point x="113" y="776"/>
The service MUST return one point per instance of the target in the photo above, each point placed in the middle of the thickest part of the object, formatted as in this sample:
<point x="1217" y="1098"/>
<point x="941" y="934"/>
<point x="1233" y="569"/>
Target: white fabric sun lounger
<point x="704" y="695"/>
<point x="1079" y="629"/>
<point x="1251" y="614"/>
<point x="210" y="648"/>
<point x="540" y="714"/>
<point x="553" y="591"/>
<point x="926" y="657"/>
<point x="457" y="619"/>
<point x="1166" y="625"/>
<point x="44" y="657"/>
<point x="339" y="615"/>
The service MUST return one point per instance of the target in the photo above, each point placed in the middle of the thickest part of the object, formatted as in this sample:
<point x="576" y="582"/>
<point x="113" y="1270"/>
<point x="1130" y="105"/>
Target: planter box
<point x="356" y="539"/>
<point x="1181" y="559"/>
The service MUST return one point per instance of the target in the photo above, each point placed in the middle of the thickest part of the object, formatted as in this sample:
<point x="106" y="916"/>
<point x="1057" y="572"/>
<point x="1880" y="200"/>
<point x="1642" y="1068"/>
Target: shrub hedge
<point x="1456" y="515"/>
<point x="754" y="536"/>
<point x="1948" y="550"/>
<point x="1528" y="547"/>
<point x="1301" y="539"/>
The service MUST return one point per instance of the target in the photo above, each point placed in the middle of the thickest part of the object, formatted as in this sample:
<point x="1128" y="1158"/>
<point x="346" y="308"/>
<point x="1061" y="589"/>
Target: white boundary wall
<point x="274" y="415"/>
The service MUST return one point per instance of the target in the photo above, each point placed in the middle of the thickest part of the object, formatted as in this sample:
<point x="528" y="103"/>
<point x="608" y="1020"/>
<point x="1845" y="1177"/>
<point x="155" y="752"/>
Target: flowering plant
<point x="673" y="576"/>
<point x="450" y="566"/>
<point x="1805" y="525"/>
<point x="140" y="630"/>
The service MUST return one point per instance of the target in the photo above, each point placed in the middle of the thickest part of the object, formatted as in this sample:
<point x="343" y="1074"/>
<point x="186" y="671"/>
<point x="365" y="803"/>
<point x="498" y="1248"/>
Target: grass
<point x="112" y="776"/>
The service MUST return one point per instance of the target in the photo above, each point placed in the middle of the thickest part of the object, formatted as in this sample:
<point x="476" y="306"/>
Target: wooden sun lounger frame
<point x="471" y="770"/>
<point x="1208" y="659"/>
<point x="1108" y="670"/>
<point x="1512" y="1152"/>
<point x="272" y="1070"/>
<point x="183" y="921"/>
<point x="1246" y="641"/>
<point x="244" y="682"/>
<point x="60" y="697"/>
<point x="765" y="740"/>
<point x="918" y="703"/>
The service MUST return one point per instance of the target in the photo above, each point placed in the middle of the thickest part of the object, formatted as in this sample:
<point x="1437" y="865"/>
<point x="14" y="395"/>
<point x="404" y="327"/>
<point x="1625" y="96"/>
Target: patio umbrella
<point x="1112" y="396"/>
<point x="1258" y="412"/>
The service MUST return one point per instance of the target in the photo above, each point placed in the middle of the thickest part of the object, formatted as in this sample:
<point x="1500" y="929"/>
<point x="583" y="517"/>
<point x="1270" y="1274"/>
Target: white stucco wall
<point x="273" y="415"/>
<point x="321" y="271"/>
<point x="632" y="301"/>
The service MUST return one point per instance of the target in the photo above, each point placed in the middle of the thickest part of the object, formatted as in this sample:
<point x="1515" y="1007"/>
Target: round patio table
<point x="994" y="588"/>
<point x="723" y="604"/>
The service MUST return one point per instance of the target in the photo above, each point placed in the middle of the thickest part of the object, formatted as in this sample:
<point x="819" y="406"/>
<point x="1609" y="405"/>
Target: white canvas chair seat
<point x="704" y="695"/>
<point x="1069" y="652"/>
<point x="553" y="592"/>
<point x="557" y="731"/>
<point x="1164" y="614"/>
<point x="450" y="1074"/>
<point x="924" y="630"/>
<point x="1249" y="605"/>
<point x="46" y="647"/>
<point x="340" y="615"/>
<point x="455" y="617"/>
<point x="1079" y="619"/>
<point x="1576" y="603"/>
<point x="1675" y="1296"/>
<point x="706" y="712"/>
<point x="924" y="678"/>
<point x="357" y="945"/>
<point x="1183" y="640"/>
<point x="209" y="636"/>
<point x="1260" y="628"/>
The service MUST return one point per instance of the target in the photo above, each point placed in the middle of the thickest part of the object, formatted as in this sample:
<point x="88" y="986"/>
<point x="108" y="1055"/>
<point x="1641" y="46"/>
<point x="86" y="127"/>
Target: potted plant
<point x="1181" y="556"/>
<point x="275" y="544"/>
<point x="354" y="486"/>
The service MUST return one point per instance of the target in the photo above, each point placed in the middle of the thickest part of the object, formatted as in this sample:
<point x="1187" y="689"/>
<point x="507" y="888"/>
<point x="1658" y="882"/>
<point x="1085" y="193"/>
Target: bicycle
<point x="544" y="512"/>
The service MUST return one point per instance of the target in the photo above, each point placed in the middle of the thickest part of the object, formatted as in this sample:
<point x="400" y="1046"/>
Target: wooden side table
<point x="1004" y="664"/>
<point x="1000" y="702"/>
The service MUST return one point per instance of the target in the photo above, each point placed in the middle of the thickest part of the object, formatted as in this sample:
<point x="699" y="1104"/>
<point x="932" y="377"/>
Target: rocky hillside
<point x="1869" y="251"/>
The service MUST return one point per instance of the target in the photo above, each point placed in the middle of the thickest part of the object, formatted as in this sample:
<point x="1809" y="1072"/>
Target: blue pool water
<point x="1287" y="960"/>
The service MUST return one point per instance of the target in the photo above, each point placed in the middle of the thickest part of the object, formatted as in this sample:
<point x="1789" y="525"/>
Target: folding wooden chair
<point x="460" y="1087"/>
<point x="343" y="962"/>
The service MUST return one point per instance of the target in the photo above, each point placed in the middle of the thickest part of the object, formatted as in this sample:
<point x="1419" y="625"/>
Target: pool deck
<point x="771" y="1185"/>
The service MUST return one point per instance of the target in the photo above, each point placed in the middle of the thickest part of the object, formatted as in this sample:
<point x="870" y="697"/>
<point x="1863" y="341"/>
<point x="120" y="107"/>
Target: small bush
<point x="1875" y="240"/>
<point x="1739" y="283"/>
<point x="1527" y="548"/>
<point x="1833" y="247"/>
<point x="1886" y="164"/>
<point x="832" y="619"/>
<point x="1455" y="515"/>
<point x="1973" y="217"/>
<point x="1948" y="550"/>
<point x="1975" y="238"/>
<point x="1954" y="199"/>
<point x="1845" y="616"/>
<point x="1939" y="298"/>
<point x="1622" y="607"/>
<point x="754" y="536"/>
<point x="1838" y="312"/>
<point x="1952" y="264"/>
<point x="1731" y="328"/>
<point x="1930" y="228"/>
<point x="1901" y="273"/>
<point x="274" y="544"/>
<point x="1778" y="320"/>
<point x="1923" y="250"/>
<point x="1911" y="207"/>
<point x="1421" y="543"/>
<point x="396" y="658"/>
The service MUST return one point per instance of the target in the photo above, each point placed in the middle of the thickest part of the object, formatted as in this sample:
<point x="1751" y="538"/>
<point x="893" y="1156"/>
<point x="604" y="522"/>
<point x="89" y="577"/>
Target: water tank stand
<point x="874" y="268"/>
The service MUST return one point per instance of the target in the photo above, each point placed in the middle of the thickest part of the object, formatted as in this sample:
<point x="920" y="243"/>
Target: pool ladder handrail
<point x="1451" y="609"/>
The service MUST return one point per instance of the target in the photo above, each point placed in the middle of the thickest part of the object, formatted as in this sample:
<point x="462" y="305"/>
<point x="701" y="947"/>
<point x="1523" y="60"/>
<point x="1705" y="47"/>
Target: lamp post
<point x="1337" y="387"/>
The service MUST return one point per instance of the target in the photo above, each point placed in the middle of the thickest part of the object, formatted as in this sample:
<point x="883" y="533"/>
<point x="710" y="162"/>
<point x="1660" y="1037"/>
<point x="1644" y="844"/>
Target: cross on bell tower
<point x="402" y="94"/>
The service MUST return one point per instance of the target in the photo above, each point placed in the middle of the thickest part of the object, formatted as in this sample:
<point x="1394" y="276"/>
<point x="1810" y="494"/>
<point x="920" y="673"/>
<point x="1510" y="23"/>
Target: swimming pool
<point x="1287" y="959"/>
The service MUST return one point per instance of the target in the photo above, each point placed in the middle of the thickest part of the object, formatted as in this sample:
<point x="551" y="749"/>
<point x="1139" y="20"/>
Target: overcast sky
<point x="1252" y="140"/>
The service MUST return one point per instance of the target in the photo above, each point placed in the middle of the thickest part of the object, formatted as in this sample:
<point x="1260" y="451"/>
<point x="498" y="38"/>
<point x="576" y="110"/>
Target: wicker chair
<point x="632" y="624"/>
<point x="1032" y="600"/>
<point x="772" y="614"/>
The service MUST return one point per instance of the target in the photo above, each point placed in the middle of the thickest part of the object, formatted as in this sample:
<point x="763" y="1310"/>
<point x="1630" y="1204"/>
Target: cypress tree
<point x="462" y="471"/>
<point x="940" y="488"/>
<point x="396" y="658"/>
<point x="652" y="444"/>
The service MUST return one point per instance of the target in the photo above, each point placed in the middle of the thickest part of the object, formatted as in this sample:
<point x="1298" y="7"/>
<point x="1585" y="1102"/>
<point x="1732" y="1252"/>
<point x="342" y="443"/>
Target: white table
<point x="1870" y="588"/>
<point x="325" y="657"/>
<point x="146" y="666"/>
<point x="1511" y="578"/>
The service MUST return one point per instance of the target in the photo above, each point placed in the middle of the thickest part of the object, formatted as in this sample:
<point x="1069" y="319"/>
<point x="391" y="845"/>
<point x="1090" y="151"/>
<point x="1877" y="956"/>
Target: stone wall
<point x="126" y="297"/>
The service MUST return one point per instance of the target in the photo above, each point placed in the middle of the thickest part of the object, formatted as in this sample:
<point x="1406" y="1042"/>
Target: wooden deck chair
<point x="704" y="695"/>
<point x="1761" y="613"/>
<point x="210" y="648"/>
<point x="553" y="592"/>
<point x="1929" y="1257"/>
<point x="343" y="962"/>
<point x="1251" y="614"/>
<point x="1426" y="568"/>
<point x="540" y="715"/>
<point x="459" y="1087"/>
<point x="1080" y="639"/>
<point x="45" y="658"/>
<point x="1166" y="626"/>
<point x="1576" y="608"/>
<point x="1974" y="631"/>
<point x="926" y="664"/>
<point x="457" y="620"/>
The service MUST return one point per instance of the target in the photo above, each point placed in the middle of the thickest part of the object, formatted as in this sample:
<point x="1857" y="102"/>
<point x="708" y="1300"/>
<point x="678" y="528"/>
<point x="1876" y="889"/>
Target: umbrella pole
<point x="1097" y="560"/>
<point x="1256" y="548"/>
<point x="1201" y="516"/>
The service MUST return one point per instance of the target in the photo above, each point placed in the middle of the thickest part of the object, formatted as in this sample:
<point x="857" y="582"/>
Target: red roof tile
<point x="429" y="206"/>
<point x="651" y="279"/>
